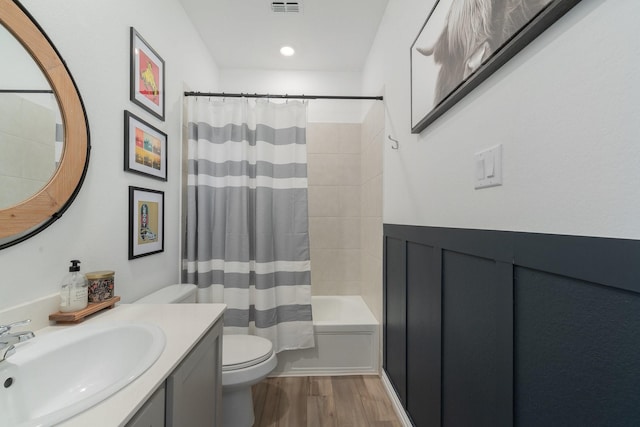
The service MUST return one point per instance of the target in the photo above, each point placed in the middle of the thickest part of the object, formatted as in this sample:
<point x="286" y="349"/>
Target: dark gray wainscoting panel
<point x="578" y="352"/>
<point x="492" y="328"/>
<point x="472" y="349"/>
<point x="395" y="324"/>
<point x="423" y="329"/>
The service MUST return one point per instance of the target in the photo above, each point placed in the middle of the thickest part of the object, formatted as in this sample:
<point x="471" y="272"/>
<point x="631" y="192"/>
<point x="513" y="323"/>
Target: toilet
<point x="246" y="360"/>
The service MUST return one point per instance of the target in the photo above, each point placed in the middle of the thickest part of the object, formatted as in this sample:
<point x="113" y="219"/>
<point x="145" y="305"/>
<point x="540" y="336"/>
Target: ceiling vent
<point x="286" y="7"/>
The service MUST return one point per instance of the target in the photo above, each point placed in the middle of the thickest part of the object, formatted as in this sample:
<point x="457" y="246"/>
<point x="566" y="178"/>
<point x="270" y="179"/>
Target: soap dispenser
<point x="74" y="290"/>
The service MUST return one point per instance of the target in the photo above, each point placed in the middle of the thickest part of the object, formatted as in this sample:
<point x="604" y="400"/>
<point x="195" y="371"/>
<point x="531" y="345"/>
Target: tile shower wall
<point x="345" y="207"/>
<point x="372" y="139"/>
<point x="334" y="207"/>
<point x="22" y="174"/>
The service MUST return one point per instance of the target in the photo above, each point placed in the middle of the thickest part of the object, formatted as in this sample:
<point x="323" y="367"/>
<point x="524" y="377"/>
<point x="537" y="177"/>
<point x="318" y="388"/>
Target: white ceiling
<point x="328" y="35"/>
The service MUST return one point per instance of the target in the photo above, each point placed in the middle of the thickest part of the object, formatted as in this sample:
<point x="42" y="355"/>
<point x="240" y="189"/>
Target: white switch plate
<point x="488" y="167"/>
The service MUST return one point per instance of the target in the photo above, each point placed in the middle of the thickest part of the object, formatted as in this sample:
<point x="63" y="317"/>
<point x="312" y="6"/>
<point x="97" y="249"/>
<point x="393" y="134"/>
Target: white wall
<point x="93" y="39"/>
<point x="565" y="109"/>
<point x="304" y="83"/>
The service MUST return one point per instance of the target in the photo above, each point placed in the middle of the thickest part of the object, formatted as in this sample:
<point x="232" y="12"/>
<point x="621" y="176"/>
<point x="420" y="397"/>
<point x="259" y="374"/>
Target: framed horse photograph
<point x="463" y="42"/>
<point x="147" y="76"/>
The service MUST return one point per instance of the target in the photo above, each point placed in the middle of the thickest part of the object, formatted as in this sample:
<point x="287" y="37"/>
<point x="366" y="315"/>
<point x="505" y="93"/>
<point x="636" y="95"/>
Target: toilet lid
<point x="242" y="351"/>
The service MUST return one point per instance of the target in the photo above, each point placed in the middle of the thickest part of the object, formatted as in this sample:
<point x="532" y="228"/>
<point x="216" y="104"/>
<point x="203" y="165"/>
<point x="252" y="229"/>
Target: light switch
<point x="489" y="167"/>
<point x="479" y="169"/>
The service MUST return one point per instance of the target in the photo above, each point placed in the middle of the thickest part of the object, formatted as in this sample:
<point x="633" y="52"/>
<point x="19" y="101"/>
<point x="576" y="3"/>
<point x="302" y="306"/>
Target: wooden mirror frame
<point x="29" y="217"/>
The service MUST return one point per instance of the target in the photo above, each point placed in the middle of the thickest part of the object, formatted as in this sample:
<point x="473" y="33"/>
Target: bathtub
<point x="347" y="337"/>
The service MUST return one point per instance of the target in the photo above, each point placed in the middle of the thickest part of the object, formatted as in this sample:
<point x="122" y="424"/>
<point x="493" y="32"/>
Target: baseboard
<point x="397" y="406"/>
<point x="320" y="373"/>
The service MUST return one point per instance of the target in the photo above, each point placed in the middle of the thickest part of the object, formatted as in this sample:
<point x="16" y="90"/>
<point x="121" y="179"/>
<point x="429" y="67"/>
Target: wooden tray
<point x="80" y="315"/>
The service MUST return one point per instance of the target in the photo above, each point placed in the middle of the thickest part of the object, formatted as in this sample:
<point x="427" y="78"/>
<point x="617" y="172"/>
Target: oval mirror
<point x="29" y="122"/>
<point x="44" y="134"/>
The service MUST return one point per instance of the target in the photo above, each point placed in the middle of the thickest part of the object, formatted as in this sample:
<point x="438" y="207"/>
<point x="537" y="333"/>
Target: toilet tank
<point x="172" y="294"/>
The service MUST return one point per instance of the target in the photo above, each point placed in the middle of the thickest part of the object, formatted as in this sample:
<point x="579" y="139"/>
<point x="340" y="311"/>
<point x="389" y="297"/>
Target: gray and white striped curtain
<point x="247" y="239"/>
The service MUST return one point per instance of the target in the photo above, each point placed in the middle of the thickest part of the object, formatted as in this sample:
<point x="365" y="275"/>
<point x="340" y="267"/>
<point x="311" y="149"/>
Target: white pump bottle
<point x="74" y="291"/>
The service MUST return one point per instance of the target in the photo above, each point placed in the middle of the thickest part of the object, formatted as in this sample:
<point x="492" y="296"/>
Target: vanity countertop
<point x="183" y="324"/>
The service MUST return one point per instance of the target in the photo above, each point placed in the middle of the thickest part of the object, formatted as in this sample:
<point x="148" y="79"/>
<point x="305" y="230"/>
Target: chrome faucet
<point x="8" y="339"/>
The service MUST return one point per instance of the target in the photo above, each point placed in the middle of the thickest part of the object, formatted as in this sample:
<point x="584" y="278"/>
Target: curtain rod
<point x="286" y="96"/>
<point x="26" y="91"/>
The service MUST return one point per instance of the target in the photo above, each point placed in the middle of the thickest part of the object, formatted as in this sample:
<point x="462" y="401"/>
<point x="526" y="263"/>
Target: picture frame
<point x="449" y="60"/>
<point x="145" y="148"/>
<point x="146" y="76"/>
<point x="146" y="222"/>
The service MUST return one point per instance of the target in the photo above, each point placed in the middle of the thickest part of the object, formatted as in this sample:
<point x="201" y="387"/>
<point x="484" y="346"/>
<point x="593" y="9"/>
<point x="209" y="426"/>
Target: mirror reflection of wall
<point x="31" y="140"/>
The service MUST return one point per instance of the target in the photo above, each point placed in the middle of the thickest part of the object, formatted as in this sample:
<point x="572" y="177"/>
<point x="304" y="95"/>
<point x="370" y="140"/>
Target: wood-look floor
<point x="341" y="401"/>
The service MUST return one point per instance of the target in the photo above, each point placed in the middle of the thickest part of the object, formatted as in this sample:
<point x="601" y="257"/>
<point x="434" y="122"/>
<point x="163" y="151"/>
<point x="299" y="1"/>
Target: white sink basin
<point x="60" y="374"/>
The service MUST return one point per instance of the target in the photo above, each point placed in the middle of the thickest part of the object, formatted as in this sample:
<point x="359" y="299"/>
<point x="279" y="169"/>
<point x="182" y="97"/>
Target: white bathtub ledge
<point x="347" y="338"/>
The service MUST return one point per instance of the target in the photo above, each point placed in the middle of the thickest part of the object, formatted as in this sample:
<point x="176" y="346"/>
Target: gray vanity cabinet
<point x="152" y="412"/>
<point x="192" y="394"/>
<point x="194" y="389"/>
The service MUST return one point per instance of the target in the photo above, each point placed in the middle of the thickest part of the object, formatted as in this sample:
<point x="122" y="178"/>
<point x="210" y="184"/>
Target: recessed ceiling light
<point x="287" y="51"/>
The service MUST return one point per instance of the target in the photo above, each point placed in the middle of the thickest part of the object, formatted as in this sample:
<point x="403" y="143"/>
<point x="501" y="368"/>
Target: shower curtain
<point x="247" y="240"/>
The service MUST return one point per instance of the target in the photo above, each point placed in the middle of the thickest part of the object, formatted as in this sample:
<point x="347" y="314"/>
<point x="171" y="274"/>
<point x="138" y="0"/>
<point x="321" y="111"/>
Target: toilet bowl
<point x="246" y="360"/>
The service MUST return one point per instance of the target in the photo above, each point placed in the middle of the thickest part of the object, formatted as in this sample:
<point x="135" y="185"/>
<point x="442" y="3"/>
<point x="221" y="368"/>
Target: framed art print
<point x="145" y="148"/>
<point x="146" y="222"/>
<point x="147" y="76"/>
<point x="463" y="42"/>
